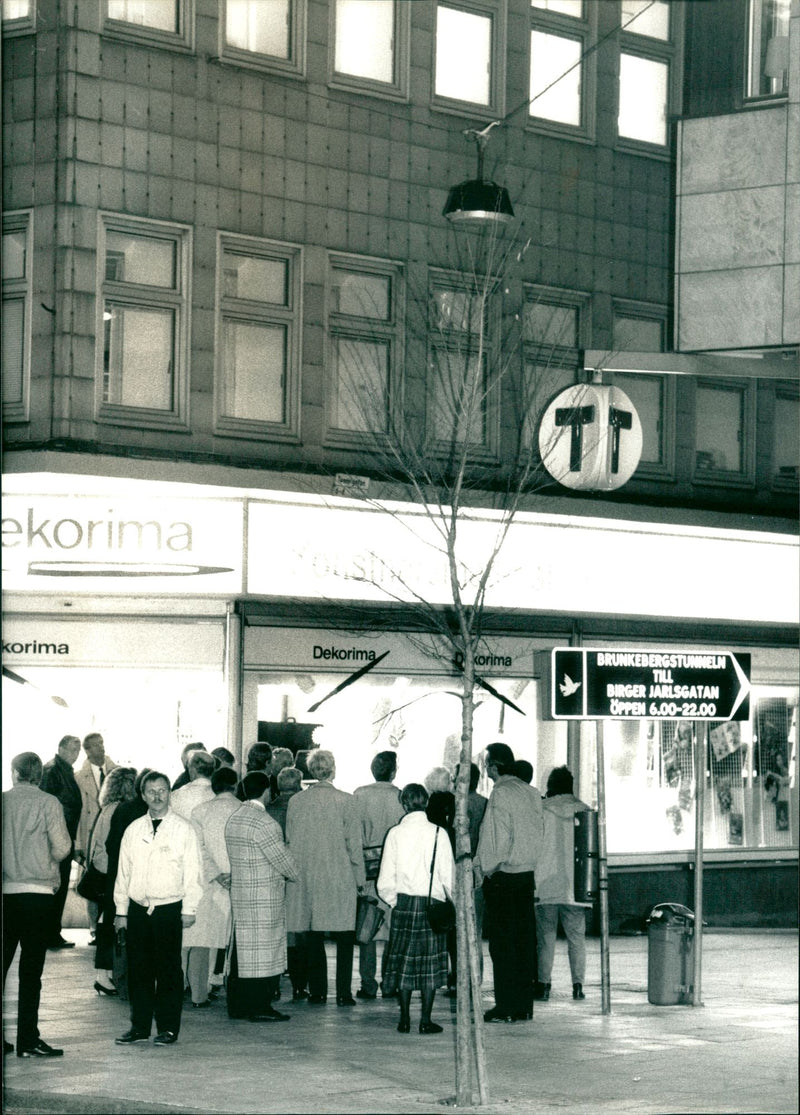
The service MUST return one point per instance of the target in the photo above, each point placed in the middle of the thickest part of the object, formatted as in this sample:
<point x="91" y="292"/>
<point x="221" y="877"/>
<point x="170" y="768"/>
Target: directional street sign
<point x="612" y="684"/>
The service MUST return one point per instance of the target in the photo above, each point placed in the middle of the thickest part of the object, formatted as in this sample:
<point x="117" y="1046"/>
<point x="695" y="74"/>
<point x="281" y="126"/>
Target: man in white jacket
<point x="555" y="886"/>
<point x="156" y="895"/>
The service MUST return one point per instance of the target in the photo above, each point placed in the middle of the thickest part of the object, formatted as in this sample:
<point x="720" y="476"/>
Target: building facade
<point x="228" y="283"/>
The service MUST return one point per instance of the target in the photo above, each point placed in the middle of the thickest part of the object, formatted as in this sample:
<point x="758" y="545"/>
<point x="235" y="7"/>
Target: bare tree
<point x="465" y="440"/>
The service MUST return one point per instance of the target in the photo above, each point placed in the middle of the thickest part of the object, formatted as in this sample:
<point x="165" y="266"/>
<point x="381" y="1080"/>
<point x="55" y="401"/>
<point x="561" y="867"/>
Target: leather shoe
<point x="61" y="943"/>
<point x="577" y="991"/>
<point x="166" y="1037"/>
<point x="101" y="989"/>
<point x="429" y="1028"/>
<point x="541" y="992"/>
<point x="41" y="1049"/>
<point x="201" y="1006"/>
<point x="388" y="994"/>
<point x="523" y="1016"/>
<point x="494" y="1015"/>
<point x="362" y="994"/>
<point x="8" y="1047"/>
<point x="269" y="1016"/>
<point x="130" y="1036"/>
<point x="404" y="1026"/>
<point x="298" y="994"/>
<point x="317" y="1000"/>
<point x="345" y="1001"/>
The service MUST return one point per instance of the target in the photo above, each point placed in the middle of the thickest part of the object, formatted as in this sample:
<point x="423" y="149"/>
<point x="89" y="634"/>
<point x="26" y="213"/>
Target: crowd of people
<point x="213" y="881"/>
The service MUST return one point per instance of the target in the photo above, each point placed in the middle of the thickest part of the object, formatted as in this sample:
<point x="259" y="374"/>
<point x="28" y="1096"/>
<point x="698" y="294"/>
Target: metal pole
<point x="699" y="813"/>
<point x="602" y="880"/>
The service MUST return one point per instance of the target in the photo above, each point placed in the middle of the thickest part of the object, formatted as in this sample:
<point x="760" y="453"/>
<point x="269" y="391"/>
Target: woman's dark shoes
<point x="101" y="989"/>
<point x="404" y="1026"/>
<point x="298" y="994"/>
<point x="202" y="1006"/>
<point x="429" y="1028"/>
<point x="541" y="992"/>
<point x="362" y="994"/>
<point x="494" y="1015"/>
<point x="317" y="1000"/>
<point x="577" y="991"/>
<point x="345" y="1001"/>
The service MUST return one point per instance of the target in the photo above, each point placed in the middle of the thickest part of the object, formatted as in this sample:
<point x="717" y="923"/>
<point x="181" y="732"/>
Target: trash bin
<point x="670" y="955"/>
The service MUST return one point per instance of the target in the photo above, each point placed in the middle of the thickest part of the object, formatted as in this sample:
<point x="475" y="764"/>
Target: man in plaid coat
<point x="260" y="865"/>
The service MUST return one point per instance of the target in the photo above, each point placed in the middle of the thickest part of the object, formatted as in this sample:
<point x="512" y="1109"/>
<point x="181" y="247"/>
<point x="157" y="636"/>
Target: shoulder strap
<point x="433" y="860"/>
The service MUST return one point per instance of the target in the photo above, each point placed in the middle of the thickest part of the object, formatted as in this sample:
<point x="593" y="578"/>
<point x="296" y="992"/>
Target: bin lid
<point x="671" y="913"/>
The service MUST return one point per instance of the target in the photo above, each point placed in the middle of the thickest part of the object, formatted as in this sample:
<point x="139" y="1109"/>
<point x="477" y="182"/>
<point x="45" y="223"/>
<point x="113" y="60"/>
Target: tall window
<point x="270" y="33"/>
<point x="653" y="396"/>
<point x="364" y="343"/>
<point x="144" y="322"/>
<point x="724" y="433"/>
<point x="16" y="317"/>
<point x="370" y="45"/>
<point x="646" y="70"/>
<point x="259" y="338"/>
<point x="786" y="438"/>
<point x="561" y="66"/>
<point x="17" y="15"/>
<point x="462" y="331"/>
<point x="555" y="328"/>
<point x="469" y="58"/>
<point x="150" y="20"/>
<point x="768" y="47"/>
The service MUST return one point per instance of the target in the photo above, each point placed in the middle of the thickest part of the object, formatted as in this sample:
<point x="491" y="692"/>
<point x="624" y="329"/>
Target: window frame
<point x="15" y="290"/>
<point x="496" y="11"/>
<point x="789" y="392"/>
<point x="245" y="310"/>
<point x="725" y="477"/>
<point x="666" y="51"/>
<point x="182" y="39"/>
<point x="139" y="296"/>
<point x="752" y="73"/>
<point x="398" y="88"/>
<point x="292" y="66"/>
<point x="460" y="342"/>
<point x="540" y="354"/>
<point x="21" y="25"/>
<point x="584" y="30"/>
<point x="663" y="469"/>
<point x="356" y="327"/>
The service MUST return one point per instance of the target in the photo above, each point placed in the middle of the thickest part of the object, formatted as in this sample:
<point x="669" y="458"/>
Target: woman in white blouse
<point x="417" y="957"/>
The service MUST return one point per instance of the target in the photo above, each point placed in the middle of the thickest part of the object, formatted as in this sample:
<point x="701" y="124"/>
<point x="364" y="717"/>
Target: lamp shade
<point x="478" y="201"/>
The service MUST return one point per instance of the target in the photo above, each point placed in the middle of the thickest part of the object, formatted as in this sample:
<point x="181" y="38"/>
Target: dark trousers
<point x="155" y="976"/>
<point x="297" y="962"/>
<point x="59" y="900"/>
<point x="318" y="964"/>
<point x="27" y="919"/>
<point x="510" y="923"/>
<point x="250" y="996"/>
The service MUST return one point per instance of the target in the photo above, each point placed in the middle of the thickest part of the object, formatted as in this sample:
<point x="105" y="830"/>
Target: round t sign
<point x="590" y="437"/>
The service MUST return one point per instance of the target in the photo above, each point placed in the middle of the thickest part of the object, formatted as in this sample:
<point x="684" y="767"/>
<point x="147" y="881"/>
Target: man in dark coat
<point x="58" y="779"/>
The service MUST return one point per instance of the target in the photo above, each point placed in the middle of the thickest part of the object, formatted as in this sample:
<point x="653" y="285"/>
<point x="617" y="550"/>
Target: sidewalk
<point x="737" y="1053"/>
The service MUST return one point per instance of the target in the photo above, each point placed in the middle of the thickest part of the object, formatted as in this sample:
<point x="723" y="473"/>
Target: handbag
<point x="372" y="860"/>
<point x="92" y="884"/>
<point x="369" y="918"/>
<point x="441" y="915"/>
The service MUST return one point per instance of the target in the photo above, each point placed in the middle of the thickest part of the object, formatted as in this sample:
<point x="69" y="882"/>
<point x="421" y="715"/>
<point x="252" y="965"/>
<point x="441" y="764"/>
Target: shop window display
<point x="750" y="793"/>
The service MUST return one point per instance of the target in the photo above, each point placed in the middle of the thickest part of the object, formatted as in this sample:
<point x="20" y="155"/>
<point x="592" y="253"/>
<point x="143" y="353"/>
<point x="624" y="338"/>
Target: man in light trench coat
<point x="323" y="830"/>
<point x="260" y="865"/>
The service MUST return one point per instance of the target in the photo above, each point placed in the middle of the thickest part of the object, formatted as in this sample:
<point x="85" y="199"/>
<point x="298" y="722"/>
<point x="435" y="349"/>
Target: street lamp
<point x="478" y="201"/>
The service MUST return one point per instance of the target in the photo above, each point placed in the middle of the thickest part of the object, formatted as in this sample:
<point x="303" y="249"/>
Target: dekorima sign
<point x="614" y="684"/>
<point x="106" y="544"/>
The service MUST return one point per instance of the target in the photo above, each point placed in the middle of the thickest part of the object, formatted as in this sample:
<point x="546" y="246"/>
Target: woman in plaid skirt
<point x="417" y="957"/>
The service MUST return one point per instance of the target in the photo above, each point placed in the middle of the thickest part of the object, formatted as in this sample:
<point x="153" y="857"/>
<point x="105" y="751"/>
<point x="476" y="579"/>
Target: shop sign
<point x="614" y="684"/>
<point x="45" y="641"/>
<point x="81" y="544"/>
<point x="590" y="438"/>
